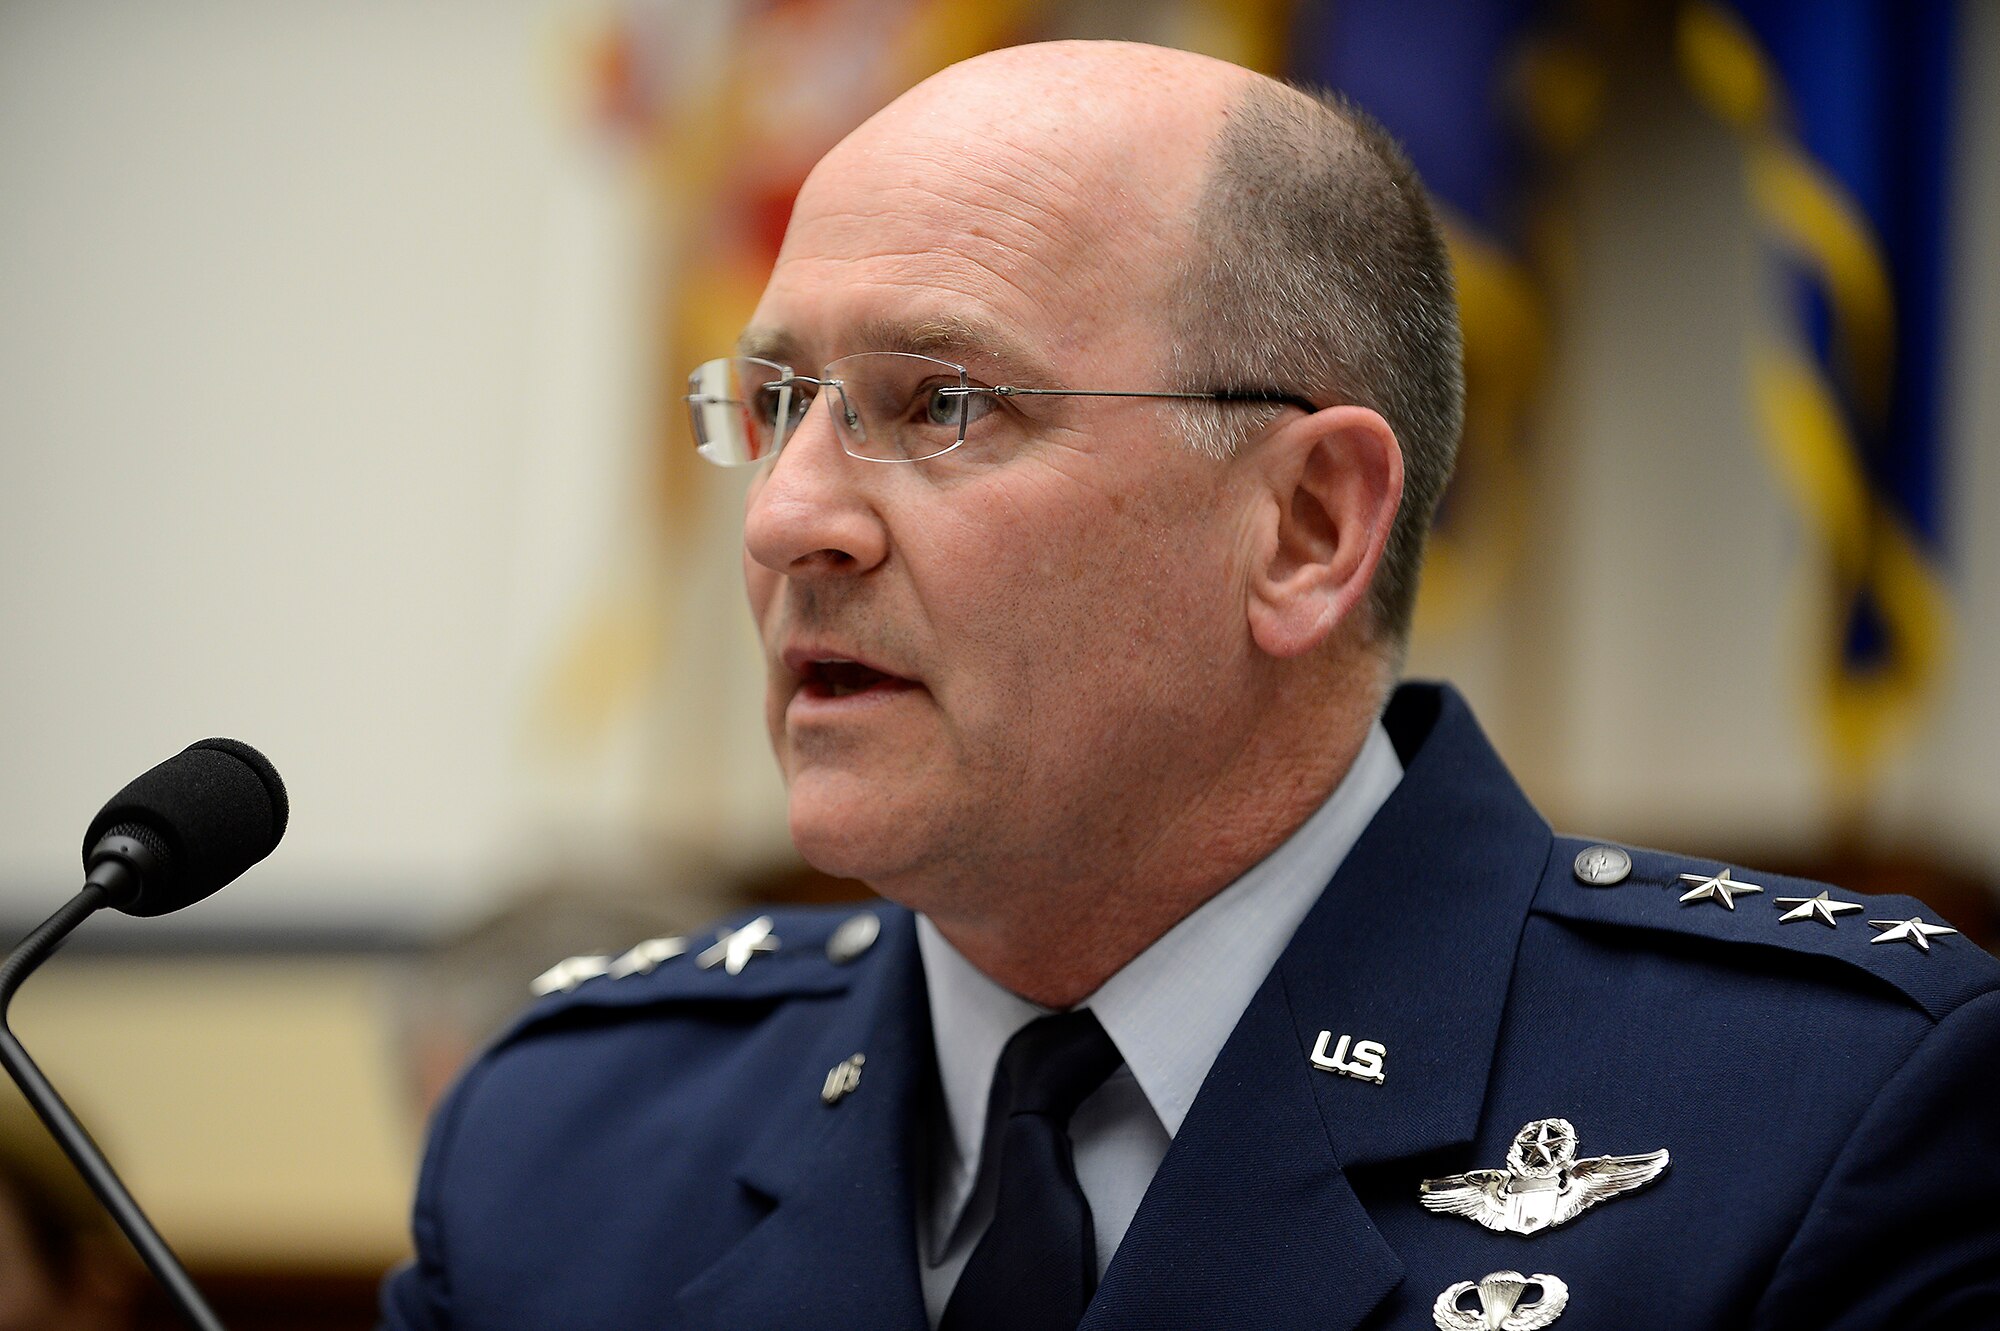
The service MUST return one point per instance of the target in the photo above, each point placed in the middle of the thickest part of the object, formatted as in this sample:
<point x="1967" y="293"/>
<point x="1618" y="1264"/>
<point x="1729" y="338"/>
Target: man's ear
<point x="1334" y="482"/>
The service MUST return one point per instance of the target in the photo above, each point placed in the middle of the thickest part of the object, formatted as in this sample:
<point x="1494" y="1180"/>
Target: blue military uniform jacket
<point x="655" y="1151"/>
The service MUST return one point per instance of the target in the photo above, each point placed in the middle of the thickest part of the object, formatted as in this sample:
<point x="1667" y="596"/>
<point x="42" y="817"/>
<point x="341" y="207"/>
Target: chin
<point x="848" y="838"/>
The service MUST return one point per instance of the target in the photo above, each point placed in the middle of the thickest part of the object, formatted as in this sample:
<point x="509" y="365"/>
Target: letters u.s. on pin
<point x="1350" y="1058"/>
<point x="841" y="1079"/>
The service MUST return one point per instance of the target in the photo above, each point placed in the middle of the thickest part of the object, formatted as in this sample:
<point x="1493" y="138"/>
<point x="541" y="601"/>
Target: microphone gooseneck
<point x="174" y="835"/>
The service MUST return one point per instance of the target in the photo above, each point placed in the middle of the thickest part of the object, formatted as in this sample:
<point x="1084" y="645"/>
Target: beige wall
<point x="255" y="1108"/>
<point x="268" y="276"/>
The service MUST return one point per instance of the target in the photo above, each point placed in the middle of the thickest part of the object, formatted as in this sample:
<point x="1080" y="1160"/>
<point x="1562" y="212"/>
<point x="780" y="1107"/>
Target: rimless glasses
<point x="887" y="406"/>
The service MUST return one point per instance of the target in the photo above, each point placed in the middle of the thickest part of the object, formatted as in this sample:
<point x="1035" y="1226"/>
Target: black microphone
<point x="173" y="836"/>
<point x="186" y="828"/>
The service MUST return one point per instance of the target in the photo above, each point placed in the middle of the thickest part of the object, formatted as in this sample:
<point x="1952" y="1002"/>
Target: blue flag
<point x="1845" y="111"/>
<point x="1485" y="99"/>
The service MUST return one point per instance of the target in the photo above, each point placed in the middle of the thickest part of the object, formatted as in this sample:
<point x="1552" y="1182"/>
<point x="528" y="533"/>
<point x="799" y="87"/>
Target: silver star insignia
<point x="1822" y="908"/>
<point x="567" y="974"/>
<point x="733" y="948"/>
<point x="1544" y="1146"/>
<point x="1719" y="888"/>
<point x="1912" y="931"/>
<point x="641" y="958"/>
<point x="1543" y="1185"/>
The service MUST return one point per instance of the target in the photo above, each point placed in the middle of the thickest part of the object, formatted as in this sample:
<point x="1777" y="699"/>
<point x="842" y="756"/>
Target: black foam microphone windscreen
<point x="204" y="815"/>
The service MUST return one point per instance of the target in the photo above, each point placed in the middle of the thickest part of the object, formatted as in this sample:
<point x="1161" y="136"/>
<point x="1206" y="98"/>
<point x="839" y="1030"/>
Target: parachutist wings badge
<point x="1544" y="1183"/>
<point x="1501" y="1305"/>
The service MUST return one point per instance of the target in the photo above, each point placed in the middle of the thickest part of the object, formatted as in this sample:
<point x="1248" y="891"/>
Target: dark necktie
<point x="1035" y="1267"/>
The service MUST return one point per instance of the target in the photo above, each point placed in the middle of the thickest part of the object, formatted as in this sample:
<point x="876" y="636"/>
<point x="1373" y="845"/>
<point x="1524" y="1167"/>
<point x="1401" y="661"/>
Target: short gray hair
<point x="1319" y="268"/>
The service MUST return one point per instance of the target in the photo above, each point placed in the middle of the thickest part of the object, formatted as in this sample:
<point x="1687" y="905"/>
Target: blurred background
<point x="340" y="353"/>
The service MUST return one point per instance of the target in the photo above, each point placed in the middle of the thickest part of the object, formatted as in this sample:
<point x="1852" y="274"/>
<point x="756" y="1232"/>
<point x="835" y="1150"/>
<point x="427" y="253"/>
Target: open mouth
<point x="845" y="679"/>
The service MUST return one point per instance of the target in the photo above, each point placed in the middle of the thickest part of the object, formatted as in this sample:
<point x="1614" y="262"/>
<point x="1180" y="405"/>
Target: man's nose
<point x="811" y="513"/>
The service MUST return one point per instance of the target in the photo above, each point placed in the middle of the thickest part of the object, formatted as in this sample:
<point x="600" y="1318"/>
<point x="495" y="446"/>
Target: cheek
<point x="1100" y="619"/>
<point x="1139" y="579"/>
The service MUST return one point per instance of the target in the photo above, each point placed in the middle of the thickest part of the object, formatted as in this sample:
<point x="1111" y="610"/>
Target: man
<point x="1101" y="396"/>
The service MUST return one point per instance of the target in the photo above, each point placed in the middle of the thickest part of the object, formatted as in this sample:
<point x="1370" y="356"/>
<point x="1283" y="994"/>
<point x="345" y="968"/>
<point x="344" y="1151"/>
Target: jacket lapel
<point x="839" y="1247"/>
<point x="1412" y="944"/>
<point x="1251" y="1220"/>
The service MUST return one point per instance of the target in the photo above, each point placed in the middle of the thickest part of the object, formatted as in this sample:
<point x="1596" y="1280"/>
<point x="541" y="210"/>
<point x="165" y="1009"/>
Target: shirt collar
<point x="1171" y="1008"/>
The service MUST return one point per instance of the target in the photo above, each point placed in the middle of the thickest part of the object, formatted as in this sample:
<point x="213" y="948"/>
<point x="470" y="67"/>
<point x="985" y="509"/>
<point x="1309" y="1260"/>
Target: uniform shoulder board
<point x="1896" y="939"/>
<point x="753" y="956"/>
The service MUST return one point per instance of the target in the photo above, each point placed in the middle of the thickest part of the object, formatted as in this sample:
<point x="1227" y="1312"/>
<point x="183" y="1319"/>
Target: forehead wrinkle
<point x="1024" y="207"/>
<point x="1070" y="220"/>
<point x="989" y="219"/>
<point x="957" y="302"/>
<point x="1021" y="226"/>
<point x="957" y="338"/>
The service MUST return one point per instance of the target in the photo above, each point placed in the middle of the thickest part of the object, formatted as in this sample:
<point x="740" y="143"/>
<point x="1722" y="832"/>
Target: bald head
<point x="1085" y="157"/>
<point x="1126" y="127"/>
<point x="1223" y="229"/>
<point x="1068" y="90"/>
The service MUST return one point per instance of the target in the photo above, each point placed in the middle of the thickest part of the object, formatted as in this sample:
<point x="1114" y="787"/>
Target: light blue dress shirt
<point x="1169" y="1011"/>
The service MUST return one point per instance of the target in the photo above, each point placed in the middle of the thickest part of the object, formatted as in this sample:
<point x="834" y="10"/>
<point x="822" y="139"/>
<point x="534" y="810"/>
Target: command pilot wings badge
<point x="1544" y="1183"/>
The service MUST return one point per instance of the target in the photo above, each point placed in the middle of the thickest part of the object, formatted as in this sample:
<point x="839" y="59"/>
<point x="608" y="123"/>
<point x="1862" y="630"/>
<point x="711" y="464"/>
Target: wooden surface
<point x="255" y="1106"/>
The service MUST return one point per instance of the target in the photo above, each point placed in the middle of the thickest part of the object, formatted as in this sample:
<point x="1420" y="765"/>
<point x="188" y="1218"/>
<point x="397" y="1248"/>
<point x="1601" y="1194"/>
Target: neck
<point x="1058" y="931"/>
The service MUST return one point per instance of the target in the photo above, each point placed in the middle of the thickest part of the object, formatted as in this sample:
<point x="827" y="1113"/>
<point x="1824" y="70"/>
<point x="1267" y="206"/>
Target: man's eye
<point x="945" y="405"/>
<point x="770" y="396"/>
<point x="941" y="407"/>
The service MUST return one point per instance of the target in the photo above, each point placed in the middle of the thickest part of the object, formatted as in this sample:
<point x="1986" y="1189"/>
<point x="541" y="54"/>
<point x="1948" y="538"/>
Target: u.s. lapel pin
<point x="1361" y="1059"/>
<point x="1502" y="1306"/>
<point x="841" y="1079"/>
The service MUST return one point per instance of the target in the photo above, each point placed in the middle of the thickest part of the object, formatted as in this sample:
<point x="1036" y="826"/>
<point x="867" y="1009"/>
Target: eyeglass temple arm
<point x="1225" y="395"/>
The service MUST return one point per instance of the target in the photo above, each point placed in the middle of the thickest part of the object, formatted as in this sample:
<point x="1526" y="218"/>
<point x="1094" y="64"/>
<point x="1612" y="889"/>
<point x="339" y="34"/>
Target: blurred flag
<point x="1487" y="96"/>
<point x="1844" y="110"/>
<point x="648" y="697"/>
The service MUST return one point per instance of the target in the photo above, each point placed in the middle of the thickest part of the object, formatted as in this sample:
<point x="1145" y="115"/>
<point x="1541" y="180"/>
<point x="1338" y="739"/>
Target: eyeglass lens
<point x="888" y="406"/>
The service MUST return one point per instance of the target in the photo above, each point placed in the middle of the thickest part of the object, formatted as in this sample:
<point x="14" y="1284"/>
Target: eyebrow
<point x="949" y="337"/>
